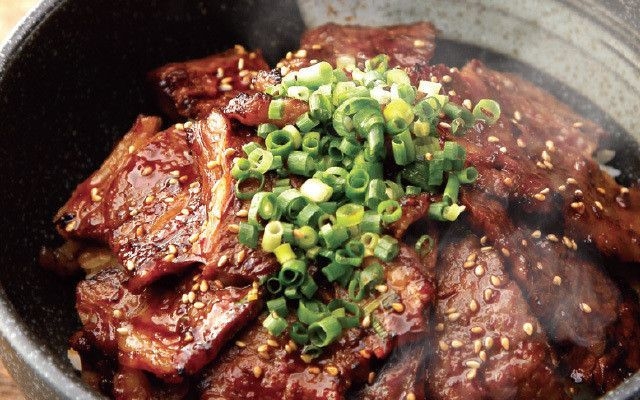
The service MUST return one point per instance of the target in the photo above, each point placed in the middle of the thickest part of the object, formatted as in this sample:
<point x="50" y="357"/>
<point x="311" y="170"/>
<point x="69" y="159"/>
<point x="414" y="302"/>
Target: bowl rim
<point x="18" y="347"/>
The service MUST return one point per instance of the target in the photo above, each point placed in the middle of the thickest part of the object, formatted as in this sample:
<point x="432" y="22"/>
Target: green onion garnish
<point x="330" y="223"/>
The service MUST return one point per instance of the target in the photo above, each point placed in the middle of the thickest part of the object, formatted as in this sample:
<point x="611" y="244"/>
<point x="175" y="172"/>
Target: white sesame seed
<point x="585" y="307"/>
<point x="528" y="328"/>
<point x="488" y="342"/>
<point x="472" y="364"/>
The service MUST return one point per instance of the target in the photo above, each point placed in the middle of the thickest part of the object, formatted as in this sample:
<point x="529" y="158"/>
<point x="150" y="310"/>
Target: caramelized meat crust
<point x="193" y="88"/>
<point x="489" y="345"/>
<point x="408" y="45"/>
<point x="580" y="307"/>
<point x="169" y="330"/>
<point x="261" y="367"/>
<point x="538" y="159"/>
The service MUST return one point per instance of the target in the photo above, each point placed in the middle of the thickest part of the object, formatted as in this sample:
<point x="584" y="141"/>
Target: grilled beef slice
<point x="489" y="345"/>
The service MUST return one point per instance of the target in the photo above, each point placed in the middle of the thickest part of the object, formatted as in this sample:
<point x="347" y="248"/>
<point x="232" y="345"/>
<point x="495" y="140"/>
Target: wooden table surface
<point x="11" y="11"/>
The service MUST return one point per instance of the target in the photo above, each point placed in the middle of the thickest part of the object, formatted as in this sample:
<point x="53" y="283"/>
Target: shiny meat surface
<point x="191" y="89"/>
<point x="131" y="384"/>
<point x="414" y="209"/>
<point x="215" y="143"/>
<point x="401" y="376"/>
<point x="159" y="199"/>
<point x="252" y="109"/>
<point x="579" y="306"/>
<point x="542" y="163"/>
<point x="489" y="345"/>
<point x="169" y="330"/>
<point x="279" y="373"/>
<point x="144" y="202"/>
<point x="409" y="45"/>
<point x="244" y="372"/>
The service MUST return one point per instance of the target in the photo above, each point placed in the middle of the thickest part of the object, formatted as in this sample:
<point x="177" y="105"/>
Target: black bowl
<point x="71" y="82"/>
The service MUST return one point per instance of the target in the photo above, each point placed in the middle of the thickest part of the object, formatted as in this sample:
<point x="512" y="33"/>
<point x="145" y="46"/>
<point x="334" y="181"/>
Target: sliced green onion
<point x="292" y="272"/>
<point x="249" y="147"/>
<point x="376" y="192"/>
<point x="291" y="292"/>
<point x="349" y="215"/>
<point x="355" y="248"/>
<point x="487" y="110"/>
<point x="424" y="245"/>
<point x="299" y="92"/>
<point x="264" y="129"/>
<point x="292" y="202"/>
<point x="305" y="123"/>
<point x="393" y="190"/>
<point x="273" y="285"/>
<point x="263" y="204"/>
<point x="357" y="184"/>
<point x="309" y="215"/>
<point x="316" y="190"/>
<point x="276" y="109"/>
<point x="312" y="77"/>
<point x="320" y="107"/>
<point x="308" y="287"/>
<point x="397" y="75"/>
<point x="350" y="313"/>
<point x="272" y="237"/>
<point x="305" y="237"/>
<point x="450" y="195"/>
<point x="371" y="222"/>
<point x="400" y="152"/>
<point x="310" y="311"/>
<point x="452" y="212"/>
<point x="375" y="144"/>
<point x="387" y="248"/>
<point x="409" y="147"/>
<point x="349" y="147"/>
<point x="240" y="168"/>
<point x="261" y="160"/>
<point x="398" y="109"/>
<point x="334" y="271"/>
<point x="370" y="241"/>
<point x="249" y="234"/>
<point x="332" y="236"/>
<point x="344" y="258"/>
<point x="279" y="142"/>
<point x="284" y="253"/>
<point x="279" y="306"/>
<point x="412" y="190"/>
<point x="311" y="143"/>
<point x="300" y="163"/>
<point x="299" y="333"/>
<point x="244" y="189"/>
<point x="325" y="331"/>
<point x="390" y="211"/>
<point x="275" y="324"/>
<point x="468" y="175"/>
<point x="378" y="63"/>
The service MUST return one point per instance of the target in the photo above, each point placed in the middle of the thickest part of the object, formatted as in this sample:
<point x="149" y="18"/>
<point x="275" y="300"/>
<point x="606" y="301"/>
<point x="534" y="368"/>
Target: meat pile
<point x="518" y="299"/>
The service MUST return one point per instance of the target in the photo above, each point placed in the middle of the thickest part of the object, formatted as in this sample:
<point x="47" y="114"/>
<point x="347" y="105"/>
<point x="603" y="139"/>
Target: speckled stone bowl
<point x="71" y="82"/>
